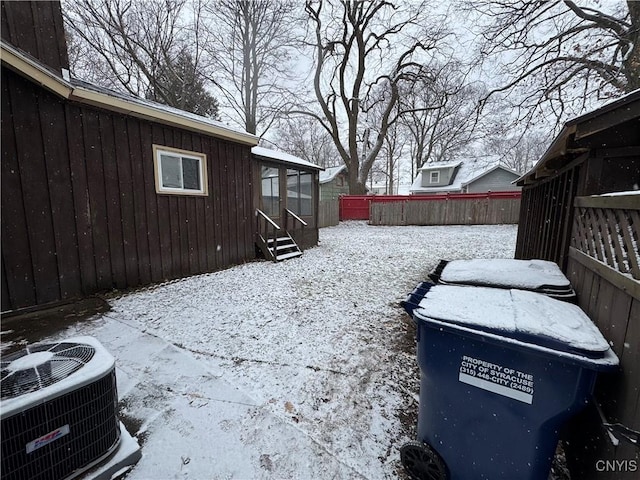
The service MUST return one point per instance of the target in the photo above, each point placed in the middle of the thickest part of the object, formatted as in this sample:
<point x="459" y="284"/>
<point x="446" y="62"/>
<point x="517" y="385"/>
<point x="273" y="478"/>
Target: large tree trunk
<point x="356" y="187"/>
<point x="632" y="63"/>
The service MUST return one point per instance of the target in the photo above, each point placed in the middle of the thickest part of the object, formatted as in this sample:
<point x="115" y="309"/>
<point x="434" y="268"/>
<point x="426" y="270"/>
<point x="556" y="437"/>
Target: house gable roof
<point x="86" y="93"/>
<point x="331" y="173"/>
<point x="439" y="165"/>
<point x="487" y="172"/>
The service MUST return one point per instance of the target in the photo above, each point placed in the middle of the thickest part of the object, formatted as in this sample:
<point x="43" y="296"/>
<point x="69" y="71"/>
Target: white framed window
<point x="434" y="177"/>
<point x="180" y="172"/>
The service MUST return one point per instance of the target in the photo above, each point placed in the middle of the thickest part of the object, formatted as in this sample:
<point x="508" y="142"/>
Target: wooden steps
<point x="283" y="248"/>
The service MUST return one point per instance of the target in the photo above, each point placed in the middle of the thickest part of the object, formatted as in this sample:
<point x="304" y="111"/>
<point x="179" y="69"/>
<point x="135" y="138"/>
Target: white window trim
<point x="158" y="150"/>
<point x="437" y="177"/>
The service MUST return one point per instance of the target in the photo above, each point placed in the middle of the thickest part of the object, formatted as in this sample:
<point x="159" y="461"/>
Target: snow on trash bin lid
<point x="528" y="317"/>
<point x="504" y="272"/>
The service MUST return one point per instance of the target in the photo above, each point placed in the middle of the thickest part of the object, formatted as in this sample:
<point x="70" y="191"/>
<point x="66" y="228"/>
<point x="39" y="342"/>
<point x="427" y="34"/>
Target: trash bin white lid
<point x="505" y="272"/>
<point x="520" y="315"/>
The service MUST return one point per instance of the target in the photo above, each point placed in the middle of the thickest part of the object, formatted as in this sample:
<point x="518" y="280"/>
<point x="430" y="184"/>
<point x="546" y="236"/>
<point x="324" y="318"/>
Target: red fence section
<point x="356" y="207"/>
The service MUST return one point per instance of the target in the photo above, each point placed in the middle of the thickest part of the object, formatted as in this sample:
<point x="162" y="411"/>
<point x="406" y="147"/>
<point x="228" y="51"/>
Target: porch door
<point x="270" y="191"/>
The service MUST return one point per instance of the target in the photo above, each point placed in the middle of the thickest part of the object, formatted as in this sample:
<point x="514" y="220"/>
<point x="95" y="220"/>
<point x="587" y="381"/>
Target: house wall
<point x="446" y="175"/>
<point x="495" y="181"/>
<point x="80" y="213"/>
<point x="37" y="28"/>
<point x="333" y="189"/>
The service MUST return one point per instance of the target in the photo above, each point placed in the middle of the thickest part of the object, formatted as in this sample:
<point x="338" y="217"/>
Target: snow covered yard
<point x="300" y="369"/>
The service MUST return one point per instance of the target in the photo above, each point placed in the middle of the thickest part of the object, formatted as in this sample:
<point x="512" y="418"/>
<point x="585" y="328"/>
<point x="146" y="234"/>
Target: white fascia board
<point x="39" y="74"/>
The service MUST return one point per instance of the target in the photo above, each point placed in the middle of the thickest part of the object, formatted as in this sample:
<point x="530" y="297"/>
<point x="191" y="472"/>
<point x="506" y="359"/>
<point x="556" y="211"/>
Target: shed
<point x="471" y="176"/>
<point x="581" y="209"/>
<point x="101" y="190"/>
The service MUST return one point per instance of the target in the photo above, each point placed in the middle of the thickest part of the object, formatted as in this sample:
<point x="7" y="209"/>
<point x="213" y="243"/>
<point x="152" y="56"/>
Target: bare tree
<point x="305" y="138"/>
<point x="385" y="168"/>
<point x="250" y="46"/>
<point x="438" y="112"/>
<point x="391" y="153"/>
<point x="364" y="52"/>
<point x="517" y="152"/>
<point x="137" y="45"/>
<point x="562" y="55"/>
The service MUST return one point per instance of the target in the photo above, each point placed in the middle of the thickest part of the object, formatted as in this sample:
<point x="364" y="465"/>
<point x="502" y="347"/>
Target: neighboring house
<point x="333" y="183"/>
<point x="463" y="177"/>
<point x="377" y="189"/>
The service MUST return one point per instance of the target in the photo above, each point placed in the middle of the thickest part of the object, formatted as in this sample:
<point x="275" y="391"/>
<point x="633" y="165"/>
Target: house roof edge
<point x="30" y="68"/>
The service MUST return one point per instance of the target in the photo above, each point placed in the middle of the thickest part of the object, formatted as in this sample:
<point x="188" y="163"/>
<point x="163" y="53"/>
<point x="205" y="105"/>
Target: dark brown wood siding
<point x="37" y="28"/>
<point x="80" y="213"/>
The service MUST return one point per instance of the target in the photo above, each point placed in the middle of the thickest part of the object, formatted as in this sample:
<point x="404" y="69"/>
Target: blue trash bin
<point x="415" y="297"/>
<point x="539" y="276"/>
<point x="501" y="372"/>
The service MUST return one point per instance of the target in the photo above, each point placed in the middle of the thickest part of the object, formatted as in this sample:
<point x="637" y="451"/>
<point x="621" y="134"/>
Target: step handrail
<point x="288" y="213"/>
<point x="266" y="217"/>
<point x="296" y="217"/>
<point x="263" y="238"/>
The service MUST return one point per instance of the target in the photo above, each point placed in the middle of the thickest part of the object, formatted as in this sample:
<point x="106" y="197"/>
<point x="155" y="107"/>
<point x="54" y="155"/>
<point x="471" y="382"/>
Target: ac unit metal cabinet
<point x="58" y="409"/>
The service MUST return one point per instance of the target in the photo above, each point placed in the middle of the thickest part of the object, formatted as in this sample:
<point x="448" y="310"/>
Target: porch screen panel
<point x="270" y="191"/>
<point x="305" y="194"/>
<point x="299" y="192"/>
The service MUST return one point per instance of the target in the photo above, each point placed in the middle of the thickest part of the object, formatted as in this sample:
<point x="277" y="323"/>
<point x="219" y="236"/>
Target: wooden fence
<point x="604" y="267"/>
<point x="485" y="209"/>
<point x="328" y="213"/>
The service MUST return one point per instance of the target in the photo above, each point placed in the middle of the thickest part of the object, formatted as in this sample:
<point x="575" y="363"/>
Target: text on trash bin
<point x="495" y="378"/>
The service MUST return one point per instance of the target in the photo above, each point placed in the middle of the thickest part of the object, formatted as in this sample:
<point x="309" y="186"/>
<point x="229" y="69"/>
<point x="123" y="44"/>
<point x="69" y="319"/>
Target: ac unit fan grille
<point x="20" y="376"/>
<point x="90" y="412"/>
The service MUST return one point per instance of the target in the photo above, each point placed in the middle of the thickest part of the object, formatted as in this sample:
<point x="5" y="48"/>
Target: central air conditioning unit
<point x="58" y="409"/>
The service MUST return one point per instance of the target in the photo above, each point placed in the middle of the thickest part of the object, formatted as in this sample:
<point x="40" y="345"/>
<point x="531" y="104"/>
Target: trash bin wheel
<point x="422" y="462"/>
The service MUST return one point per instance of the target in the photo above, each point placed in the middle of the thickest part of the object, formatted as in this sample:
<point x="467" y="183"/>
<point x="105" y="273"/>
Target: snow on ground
<point x="281" y="370"/>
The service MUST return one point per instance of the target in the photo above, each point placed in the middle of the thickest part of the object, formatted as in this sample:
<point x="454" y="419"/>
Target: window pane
<point x="171" y="171"/>
<point x="191" y="173"/>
